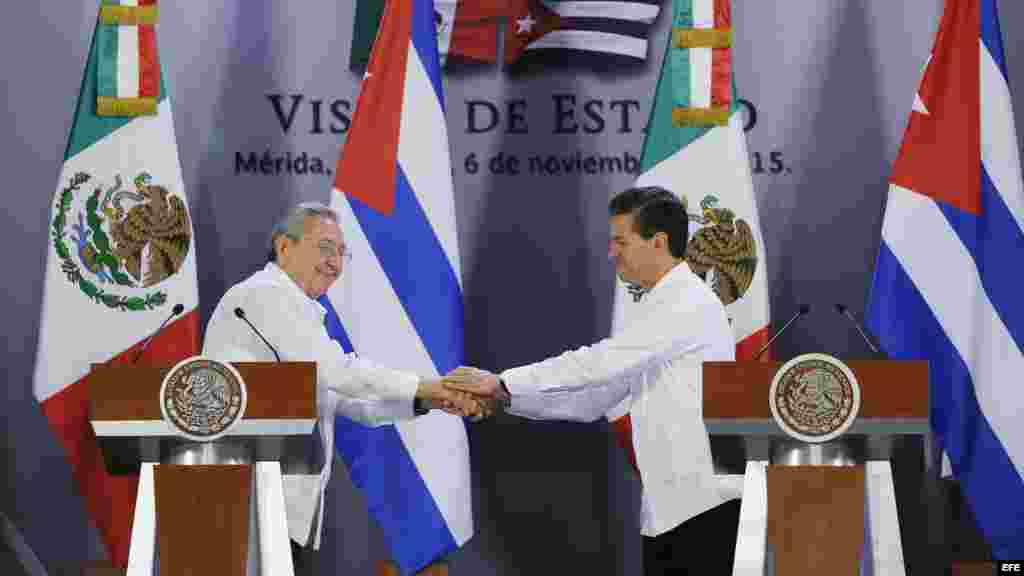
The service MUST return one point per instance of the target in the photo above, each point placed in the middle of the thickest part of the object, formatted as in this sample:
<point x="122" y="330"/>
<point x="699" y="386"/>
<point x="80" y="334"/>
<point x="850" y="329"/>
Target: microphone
<point x="842" y="309"/>
<point x="803" y="309"/>
<point x="178" y="308"/>
<point x="241" y="314"/>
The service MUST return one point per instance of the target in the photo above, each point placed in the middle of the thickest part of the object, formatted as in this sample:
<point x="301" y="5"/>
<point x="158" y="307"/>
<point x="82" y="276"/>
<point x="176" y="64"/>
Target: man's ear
<point x="661" y="240"/>
<point x="281" y="246"/>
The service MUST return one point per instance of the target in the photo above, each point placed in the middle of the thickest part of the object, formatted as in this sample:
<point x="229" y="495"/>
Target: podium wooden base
<point x="202" y="519"/>
<point x="188" y="521"/>
<point x="881" y="548"/>
<point x="816" y="519"/>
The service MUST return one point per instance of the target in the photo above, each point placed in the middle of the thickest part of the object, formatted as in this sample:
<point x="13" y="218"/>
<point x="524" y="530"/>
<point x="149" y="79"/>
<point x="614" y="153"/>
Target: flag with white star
<point x="587" y="26"/>
<point x="470" y="29"/>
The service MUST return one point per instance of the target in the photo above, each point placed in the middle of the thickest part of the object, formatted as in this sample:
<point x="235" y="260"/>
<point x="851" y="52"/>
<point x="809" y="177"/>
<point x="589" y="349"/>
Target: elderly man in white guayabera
<point x="307" y="255"/>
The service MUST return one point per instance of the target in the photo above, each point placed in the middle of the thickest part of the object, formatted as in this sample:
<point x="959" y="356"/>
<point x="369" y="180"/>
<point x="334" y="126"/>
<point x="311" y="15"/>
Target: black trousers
<point x="704" y="544"/>
<point x="303" y="559"/>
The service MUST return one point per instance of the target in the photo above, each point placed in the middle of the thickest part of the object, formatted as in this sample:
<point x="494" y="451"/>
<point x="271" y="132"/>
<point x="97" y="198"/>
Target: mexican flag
<point x="695" y="148"/>
<point x="452" y="27"/>
<point x="121" y="252"/>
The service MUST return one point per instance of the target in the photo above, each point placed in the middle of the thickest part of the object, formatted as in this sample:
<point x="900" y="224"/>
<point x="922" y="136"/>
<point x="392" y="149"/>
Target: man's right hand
<point x="479" y="383"/>
<point x="437" y="395"/>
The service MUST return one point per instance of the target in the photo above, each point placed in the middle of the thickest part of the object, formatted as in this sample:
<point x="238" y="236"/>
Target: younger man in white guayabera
<point x="689" y="526"/>
<point x="307" y="255"/>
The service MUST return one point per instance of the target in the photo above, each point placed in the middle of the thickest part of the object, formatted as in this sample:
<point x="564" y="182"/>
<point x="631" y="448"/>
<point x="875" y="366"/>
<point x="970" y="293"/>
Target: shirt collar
<point x="285" y="280"/>
<point x="676" y="275"/>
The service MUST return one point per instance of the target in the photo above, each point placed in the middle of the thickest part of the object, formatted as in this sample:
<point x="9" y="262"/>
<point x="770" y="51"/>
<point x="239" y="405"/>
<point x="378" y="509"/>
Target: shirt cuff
<point x="517" y="381"/>
<point x="514" y="380"/>
<point x="406" y="385"/>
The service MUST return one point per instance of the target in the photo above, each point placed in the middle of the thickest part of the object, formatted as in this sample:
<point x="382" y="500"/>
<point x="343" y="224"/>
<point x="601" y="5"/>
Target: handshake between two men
<point x="465" y="391"/>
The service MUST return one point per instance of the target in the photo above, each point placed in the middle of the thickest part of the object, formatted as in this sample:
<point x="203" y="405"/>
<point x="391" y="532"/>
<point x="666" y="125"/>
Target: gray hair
<point x="293" y="224"/>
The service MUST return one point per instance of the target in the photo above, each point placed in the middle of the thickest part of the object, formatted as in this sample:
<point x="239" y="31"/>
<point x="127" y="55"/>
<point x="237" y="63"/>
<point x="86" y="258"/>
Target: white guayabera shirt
<point x="655" y="362"/>
<point x="346" y="384"/>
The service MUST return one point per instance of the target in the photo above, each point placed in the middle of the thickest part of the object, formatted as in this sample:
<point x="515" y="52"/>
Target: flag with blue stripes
<point x="400" y="298"/>
<point x="947" y="280"/>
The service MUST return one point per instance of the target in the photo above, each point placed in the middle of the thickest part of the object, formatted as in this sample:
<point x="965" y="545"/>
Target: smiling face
<point x="314" y="261"/>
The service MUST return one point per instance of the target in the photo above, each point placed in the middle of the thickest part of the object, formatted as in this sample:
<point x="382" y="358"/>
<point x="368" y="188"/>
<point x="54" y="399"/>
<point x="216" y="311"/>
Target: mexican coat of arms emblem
<point x="202" y="399"/>
<point x="814" y="397"/>
<point x="118" y="243"/>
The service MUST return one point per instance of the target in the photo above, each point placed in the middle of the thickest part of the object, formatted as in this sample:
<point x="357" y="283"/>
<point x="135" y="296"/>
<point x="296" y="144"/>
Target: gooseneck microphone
<point x="801" y="310"/>
<point x="842" y="309"/>
<point x="178" y="308"/>
<point x="241" y="315"/>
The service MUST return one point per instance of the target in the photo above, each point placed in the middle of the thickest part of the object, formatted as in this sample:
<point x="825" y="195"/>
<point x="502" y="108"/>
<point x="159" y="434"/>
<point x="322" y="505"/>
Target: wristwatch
<point x="507" y="400"/>
<point x="419" y="407"/>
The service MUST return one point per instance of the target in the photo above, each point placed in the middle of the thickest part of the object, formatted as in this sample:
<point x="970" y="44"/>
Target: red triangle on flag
<point x="476" y="28"/>
<point x="941" y="152"/>
<point x="368" y="166"/>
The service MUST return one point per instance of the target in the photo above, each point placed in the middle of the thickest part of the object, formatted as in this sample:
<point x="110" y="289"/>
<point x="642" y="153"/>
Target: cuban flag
<point x="598" y="27"/>
<point x="947" y="281"/>
<point x="472" y="29"/>
<point x="400" y="299"/>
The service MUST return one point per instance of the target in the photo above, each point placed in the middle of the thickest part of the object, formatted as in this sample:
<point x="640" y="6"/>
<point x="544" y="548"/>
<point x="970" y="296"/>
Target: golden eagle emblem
<point x="158" y="222"/>
<point x="723" y="248"/>
<point x="123" y="240"/>
<point x="814" y="397"/>
<point x="202" y="399"/>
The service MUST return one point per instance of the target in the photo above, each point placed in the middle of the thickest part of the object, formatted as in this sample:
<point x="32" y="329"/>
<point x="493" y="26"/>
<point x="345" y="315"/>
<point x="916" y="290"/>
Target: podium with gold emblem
<point x="207" y="440"/>
<point x="817" y="435"/>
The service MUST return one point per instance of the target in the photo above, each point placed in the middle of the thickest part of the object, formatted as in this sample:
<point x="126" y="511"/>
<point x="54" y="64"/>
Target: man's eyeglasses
<point x="329" y="250"/>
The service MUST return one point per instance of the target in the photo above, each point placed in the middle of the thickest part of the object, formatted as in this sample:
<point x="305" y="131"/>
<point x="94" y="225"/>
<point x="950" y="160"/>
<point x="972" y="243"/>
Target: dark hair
<point x="654" y="210"/>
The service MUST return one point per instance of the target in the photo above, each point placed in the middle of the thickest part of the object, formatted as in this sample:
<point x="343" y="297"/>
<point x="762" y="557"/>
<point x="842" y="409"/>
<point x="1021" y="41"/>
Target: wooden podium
<point x="206" y="507"/>
<point x="818" y="508"/>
